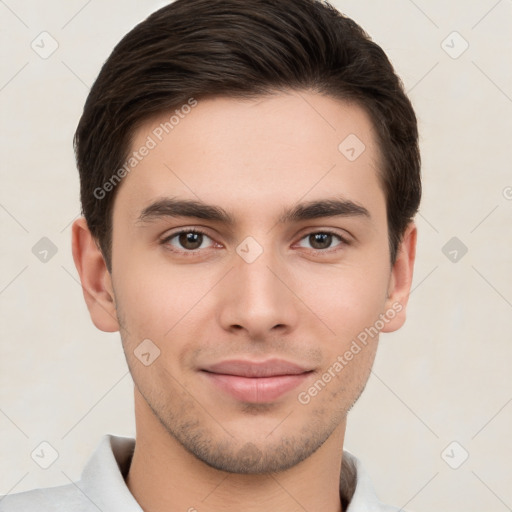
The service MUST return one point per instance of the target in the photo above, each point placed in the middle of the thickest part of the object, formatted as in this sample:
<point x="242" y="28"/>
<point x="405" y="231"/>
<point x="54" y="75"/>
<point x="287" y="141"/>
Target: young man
<point x="249" y="177"/>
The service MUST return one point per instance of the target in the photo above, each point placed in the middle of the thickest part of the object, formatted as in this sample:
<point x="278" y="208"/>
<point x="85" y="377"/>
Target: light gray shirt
<point x="102" y="486"/>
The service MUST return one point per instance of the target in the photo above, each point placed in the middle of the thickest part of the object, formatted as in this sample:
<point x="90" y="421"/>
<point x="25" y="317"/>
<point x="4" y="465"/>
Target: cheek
<point x="156" y="297"/>
<point x="347" y="300"/>
<point x="351" y="311"/>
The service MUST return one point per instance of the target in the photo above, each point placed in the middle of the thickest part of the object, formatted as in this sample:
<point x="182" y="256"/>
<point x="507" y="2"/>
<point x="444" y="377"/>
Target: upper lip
<point x="269" y="368"/>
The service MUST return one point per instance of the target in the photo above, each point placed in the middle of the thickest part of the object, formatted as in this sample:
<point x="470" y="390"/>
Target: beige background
<point x="444" y="377"/>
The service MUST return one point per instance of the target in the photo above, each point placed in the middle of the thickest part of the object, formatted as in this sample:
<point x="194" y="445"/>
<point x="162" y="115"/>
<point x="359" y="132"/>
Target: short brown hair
<point x="207" y="48"/>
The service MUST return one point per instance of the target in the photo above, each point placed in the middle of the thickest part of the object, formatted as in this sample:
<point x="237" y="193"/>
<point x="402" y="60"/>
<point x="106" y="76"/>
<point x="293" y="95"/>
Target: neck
<point x="163" y="476"/>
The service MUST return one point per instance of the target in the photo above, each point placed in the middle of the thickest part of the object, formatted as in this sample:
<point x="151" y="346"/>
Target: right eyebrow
<point x="171" y="207"/>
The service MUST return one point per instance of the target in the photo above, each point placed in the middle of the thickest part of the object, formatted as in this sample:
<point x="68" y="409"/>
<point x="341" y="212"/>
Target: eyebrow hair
<point x="172" y="207"/>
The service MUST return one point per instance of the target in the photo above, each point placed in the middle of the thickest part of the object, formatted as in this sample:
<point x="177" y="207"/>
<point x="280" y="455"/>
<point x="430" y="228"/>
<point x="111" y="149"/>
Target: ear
<point x="400" y="280"/>
<point x="95" y="278"/>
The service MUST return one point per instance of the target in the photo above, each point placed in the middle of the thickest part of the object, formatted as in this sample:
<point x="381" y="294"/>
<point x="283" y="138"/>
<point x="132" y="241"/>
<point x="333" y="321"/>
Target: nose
<point x="257" y="297"/>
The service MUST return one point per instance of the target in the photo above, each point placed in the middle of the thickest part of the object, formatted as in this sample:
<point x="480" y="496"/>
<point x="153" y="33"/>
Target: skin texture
<point x="197" y="446"/>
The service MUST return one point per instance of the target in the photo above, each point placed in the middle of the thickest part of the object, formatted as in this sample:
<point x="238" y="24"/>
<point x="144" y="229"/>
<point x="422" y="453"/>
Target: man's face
<point x="261" y="288"/>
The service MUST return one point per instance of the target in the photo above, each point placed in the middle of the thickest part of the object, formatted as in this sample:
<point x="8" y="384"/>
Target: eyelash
<point x="166" y="240"/>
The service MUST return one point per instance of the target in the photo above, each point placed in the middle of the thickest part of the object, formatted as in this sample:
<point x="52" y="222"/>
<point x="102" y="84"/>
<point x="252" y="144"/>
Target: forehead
<point x="254" y="154"/>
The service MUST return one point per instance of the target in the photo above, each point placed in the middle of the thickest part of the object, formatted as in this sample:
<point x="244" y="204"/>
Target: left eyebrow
<point x="173" y="207"/>
<point x="324" y="208"/>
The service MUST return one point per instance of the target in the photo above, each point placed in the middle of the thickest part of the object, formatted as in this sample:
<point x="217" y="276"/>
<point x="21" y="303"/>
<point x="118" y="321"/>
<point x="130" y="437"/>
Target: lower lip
<point x="256" y="389"/>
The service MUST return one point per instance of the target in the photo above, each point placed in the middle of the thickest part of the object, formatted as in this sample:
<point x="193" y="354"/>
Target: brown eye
<point x="320" y="240"/>
<point x="186" y="240"/>
<point x="323" y="240"/>
<point x="190" y="240"/>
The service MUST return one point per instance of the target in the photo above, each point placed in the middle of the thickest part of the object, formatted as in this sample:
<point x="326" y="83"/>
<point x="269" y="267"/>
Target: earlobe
<point x="401" y="280"/>
<point x="95" y="278"/>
